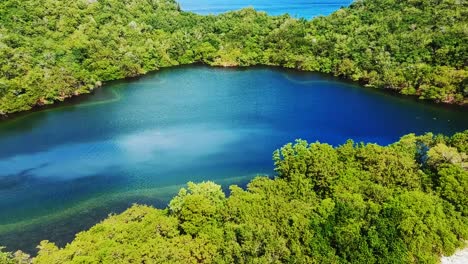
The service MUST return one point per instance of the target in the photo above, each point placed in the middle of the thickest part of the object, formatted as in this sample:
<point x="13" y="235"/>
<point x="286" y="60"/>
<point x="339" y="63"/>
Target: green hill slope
<point x="51" y="50"/>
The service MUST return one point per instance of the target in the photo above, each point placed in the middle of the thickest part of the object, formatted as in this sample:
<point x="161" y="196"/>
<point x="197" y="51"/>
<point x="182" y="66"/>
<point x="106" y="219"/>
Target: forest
<point x="356" y="203"/>
<point x="51" y="50"/>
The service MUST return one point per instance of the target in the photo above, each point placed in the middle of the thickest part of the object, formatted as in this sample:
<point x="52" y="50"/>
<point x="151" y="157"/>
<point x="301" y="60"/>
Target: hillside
<point x="51" y="50"/>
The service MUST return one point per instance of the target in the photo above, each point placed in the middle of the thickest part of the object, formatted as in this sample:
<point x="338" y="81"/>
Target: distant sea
<point x="298" y="8"/>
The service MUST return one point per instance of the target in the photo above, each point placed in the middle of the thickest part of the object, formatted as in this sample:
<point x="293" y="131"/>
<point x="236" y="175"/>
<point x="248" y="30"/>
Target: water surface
<point x="300" y="8"/>
<point x="64" y="169"/>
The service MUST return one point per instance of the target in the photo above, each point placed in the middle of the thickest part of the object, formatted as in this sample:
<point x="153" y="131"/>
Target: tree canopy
<point x="355" y="203"/>
<point x="51" y="50"/>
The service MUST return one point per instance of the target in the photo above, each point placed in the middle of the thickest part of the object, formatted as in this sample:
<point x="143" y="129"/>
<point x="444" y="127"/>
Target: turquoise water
<point x="300" y="8"/>
<point x="65" y="168"/>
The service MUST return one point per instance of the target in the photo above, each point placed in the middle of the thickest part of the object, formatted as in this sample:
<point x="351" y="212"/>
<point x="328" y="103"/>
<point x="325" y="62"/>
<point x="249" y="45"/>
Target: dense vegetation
<point x="357" y="203"/>
<point x="53" y="49"/>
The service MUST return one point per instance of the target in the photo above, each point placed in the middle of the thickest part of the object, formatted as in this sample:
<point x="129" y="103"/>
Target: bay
<point x="138" y="141"/>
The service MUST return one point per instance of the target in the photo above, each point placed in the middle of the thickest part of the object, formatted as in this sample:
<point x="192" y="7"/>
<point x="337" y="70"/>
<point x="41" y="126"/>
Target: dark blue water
<point x="63" y="169"/>
<point x="300" y="8"/>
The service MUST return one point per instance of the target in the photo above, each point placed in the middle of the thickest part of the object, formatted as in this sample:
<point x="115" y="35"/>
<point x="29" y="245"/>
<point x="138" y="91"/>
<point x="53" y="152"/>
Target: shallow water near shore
<point x="64" y="169"/>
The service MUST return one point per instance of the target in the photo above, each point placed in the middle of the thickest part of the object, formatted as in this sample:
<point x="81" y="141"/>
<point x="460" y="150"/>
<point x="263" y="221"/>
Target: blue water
<point x="300" y="8"/>
<point x="64" y="169"/>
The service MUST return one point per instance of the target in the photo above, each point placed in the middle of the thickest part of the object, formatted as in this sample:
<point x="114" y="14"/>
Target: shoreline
<point x="75" y="99"/>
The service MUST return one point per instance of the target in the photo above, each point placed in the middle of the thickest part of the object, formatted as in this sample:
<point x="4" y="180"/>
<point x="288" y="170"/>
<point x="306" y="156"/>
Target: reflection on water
<point x="66" y="168"/>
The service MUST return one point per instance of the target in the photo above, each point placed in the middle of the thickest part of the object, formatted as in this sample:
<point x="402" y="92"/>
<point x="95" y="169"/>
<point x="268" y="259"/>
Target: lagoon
<point x="300" y="9"/>
<point x="65" y="168"/>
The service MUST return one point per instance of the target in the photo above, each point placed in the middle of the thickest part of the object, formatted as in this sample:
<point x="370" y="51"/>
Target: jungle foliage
<point x="356" y="203"/>
<point x="51" y="49"/>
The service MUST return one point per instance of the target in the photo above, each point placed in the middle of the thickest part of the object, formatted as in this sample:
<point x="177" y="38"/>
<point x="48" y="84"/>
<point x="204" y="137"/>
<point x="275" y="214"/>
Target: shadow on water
<point x="8" y="182"/>
<point x="12" y="123"/>
<point x="105" y="94"/>
<point x="63" y="230"/>
<point x="47" y="198"/>
<point x="139" y="140"/>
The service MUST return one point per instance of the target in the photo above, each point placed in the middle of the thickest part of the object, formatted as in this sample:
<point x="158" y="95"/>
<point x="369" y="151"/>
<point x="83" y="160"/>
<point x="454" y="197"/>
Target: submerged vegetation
<point x="52" y="49"/>
<point x="356" y="203"/>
